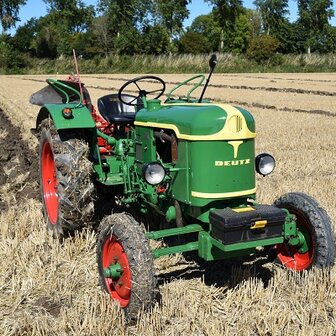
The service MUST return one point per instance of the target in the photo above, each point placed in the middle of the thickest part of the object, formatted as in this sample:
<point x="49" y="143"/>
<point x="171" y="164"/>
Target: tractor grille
<point x="236" y="123"/>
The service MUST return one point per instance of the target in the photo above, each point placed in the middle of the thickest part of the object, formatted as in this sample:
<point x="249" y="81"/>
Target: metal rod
<point x="193" y="246"/>
<point x="206" y="85"/>
<point x="110" y="140"/>
<point x="78" y="76"/>
<point x="212" y="63"/>
<point x="192" y="228"/>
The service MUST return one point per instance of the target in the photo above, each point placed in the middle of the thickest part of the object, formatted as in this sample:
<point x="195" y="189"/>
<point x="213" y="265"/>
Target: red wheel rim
<point x="119" y="289"/>
<point x="290" y="256"/>
<point x="49" y="182"/>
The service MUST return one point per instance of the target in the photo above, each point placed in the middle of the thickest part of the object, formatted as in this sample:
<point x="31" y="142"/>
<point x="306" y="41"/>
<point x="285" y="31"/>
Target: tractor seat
<point x="114" y="111"/>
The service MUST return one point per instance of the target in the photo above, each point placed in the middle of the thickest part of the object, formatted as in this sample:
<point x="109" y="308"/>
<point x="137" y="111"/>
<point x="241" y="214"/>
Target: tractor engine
<point x="207" y="150"/>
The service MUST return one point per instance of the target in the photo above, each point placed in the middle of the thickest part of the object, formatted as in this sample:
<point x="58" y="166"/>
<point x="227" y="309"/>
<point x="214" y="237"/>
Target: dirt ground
<point x="47" y="288"/>
<point x="18" y="165"/>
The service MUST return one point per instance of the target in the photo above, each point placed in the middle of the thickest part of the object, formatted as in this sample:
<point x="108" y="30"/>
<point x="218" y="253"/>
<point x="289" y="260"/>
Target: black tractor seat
<point x="115" y="111"/>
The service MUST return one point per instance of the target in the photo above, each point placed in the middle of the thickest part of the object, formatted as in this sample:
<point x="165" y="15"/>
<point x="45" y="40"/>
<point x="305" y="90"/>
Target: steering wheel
<point x="195" y="86"/>
<point x="136" y="82"/>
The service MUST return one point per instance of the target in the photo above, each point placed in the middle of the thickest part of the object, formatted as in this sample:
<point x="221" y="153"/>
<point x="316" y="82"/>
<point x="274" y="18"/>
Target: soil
<point x="18" y="165"/>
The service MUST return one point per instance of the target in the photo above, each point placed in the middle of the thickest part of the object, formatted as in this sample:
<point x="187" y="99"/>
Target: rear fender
<point x="82" y="117"/>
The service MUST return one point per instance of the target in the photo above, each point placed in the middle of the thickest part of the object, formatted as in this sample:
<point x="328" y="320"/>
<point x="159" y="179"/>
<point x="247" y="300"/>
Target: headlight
<point x="153" y="173"/>
<point x="265" y="164"/>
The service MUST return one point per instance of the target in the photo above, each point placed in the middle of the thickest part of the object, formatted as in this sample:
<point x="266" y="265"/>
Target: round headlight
<point x="153" y="173"/>
<point x="265" y="164"/>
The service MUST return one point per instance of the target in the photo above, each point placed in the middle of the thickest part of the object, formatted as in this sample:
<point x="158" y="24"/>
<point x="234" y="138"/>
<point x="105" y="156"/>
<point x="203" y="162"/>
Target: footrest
<point x="247" y="224"/>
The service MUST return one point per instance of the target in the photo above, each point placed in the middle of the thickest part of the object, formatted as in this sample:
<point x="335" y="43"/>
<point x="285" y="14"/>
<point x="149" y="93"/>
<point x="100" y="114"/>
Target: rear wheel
<point x="314" y="226"/>
<point x="65" y="181"/>
<point x="125" y="263"/>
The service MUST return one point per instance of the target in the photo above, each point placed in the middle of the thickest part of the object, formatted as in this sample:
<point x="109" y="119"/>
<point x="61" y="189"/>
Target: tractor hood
<point x="195" y="121"/>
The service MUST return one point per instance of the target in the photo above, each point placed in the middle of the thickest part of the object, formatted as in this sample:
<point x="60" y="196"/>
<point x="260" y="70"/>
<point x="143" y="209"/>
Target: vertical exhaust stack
<point x="212" y="65"/>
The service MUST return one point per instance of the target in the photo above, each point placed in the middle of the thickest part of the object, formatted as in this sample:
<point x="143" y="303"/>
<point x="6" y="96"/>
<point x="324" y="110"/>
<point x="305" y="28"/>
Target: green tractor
<point x="184" y="166"/>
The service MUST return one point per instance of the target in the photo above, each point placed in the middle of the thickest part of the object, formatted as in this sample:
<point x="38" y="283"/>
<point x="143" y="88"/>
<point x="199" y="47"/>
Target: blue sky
<point x="37" y="8"/>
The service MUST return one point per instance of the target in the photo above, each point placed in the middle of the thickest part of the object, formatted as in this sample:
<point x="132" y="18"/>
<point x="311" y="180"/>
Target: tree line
<point x="155" y="27"/>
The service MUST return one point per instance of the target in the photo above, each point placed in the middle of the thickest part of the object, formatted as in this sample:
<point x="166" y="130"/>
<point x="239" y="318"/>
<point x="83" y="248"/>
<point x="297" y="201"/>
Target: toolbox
<point x="247" y="224"/>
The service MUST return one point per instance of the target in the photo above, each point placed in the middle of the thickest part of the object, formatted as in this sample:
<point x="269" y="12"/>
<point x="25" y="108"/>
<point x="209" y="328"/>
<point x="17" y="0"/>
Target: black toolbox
<point x="248" y="224"/>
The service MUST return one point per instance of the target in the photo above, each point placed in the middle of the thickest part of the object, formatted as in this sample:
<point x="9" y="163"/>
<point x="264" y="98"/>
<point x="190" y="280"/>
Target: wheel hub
<point x="298" y="252"/>
<point x="302" y="242"/>
<point x="117" y="271"/>
<point x="114" y="271"/>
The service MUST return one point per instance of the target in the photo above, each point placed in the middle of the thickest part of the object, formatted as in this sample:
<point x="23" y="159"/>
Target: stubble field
<point x="48" y="288"/>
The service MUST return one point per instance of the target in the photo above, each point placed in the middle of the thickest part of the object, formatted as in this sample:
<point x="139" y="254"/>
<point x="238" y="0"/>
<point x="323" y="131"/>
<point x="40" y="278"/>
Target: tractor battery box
<point x="247" y="224"/>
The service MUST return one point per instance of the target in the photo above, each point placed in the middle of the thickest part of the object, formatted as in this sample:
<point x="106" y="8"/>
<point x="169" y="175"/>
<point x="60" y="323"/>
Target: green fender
<point x="82" y="117"/>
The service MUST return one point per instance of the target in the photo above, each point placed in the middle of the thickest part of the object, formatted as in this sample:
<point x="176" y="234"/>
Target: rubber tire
<point x="75" y="189"/>
<point x="321" y="227"/>
<point x="132" y="237"/>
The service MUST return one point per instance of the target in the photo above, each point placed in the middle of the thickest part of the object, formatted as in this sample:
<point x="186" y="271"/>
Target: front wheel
<point x="315" y="226"/>
<point x="125" y="263"/>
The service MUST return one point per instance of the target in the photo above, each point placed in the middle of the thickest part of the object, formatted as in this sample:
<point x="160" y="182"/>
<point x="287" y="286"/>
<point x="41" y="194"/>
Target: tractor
<point x="180" y="169"/>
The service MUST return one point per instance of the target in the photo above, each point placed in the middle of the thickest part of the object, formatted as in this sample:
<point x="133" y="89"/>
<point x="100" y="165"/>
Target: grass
<point x="51" y="289"/>
<point x="188" y="63"/>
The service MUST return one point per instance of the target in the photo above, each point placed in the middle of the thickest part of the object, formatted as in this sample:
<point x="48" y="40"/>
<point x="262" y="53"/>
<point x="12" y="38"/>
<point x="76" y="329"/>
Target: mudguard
<point x="60" y="94"/>
<point x="82" y="117"/>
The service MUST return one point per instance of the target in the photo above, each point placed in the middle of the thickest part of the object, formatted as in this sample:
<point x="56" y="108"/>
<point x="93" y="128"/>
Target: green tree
<point x="43" y="39"/>
<point x="330" y="42"/>
<point x="9" y="56"/>
<point x="171" y="14"/>
<point x="275" y="22"/>
<point x="23" y="40"/>
<point x="288" y="37"/>
<point x="5" y="50"/>
<point x="71" y="14"/>
<point x="314" y="24"/>
<point x="122" y="18"/>
<point x="118" y="13"/>
<point x="194" y="43"/>
<point x="209" y="28"/>
<point x="262" y="48"/>
<point x="273" y="14"/>
<point x="155" y="40"/>
<point x="226" y="13"/>
<point x="66" y="19"/>
<point x="125" y="13"/>
<point x="9" y="10"/>
<point x="46" y="39"/>
<point x="255" y="22"/>
<point x="100" y="38"/>
<point x="128" y="41"/>
<point x="137" y="26"/>
<point x="241" y="34"/>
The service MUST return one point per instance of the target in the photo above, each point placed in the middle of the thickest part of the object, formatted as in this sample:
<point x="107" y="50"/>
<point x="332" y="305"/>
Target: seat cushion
<point x="113" y="110"/>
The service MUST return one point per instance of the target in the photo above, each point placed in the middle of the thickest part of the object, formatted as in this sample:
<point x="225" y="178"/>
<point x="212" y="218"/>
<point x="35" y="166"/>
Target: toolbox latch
<point x="259" y="225"/>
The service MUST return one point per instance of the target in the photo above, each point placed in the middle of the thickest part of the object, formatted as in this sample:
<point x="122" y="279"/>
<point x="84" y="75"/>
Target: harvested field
<point x="48" y="288"/>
